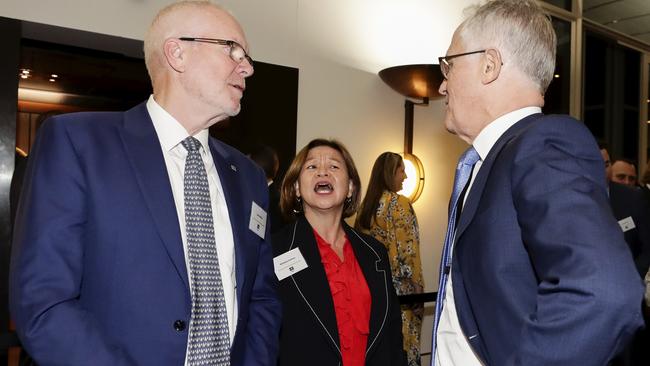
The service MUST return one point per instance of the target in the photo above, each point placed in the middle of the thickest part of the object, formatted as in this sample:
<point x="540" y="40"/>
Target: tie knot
<point x="191" y="144"/>
<point x="469" y="157"/>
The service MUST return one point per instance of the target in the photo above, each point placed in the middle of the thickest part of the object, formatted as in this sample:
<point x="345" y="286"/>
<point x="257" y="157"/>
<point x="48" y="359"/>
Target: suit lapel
<point x="312" y="283"/>
<point x="476" y="191"/>
<point x="377" y="280"/>
<point x="143" y="149"/>
<point x="230" y="183"/>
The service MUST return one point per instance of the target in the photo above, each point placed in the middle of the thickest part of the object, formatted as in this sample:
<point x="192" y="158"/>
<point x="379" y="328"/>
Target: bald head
<point x="184" y="18"/>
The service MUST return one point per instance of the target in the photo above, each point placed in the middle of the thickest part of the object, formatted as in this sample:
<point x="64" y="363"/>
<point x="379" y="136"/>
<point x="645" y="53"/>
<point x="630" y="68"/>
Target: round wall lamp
<point x="414" y="183"/>
<point x="418" y="82"/>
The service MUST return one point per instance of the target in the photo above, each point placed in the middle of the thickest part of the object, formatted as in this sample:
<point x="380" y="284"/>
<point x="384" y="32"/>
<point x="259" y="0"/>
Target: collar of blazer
<point x="476" y="191"/>
<point x="143" y="149"/>
<point x="313" y="287"/>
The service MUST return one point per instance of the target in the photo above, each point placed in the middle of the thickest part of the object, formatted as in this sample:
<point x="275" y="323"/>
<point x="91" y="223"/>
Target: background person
<point x="133" y="241"/>
<point x="390" y="218"/>
<point x="339" y="307"/>
<point x="534" y="269"/>
<point x="267" y="159"/>
<point x="624" y="172"/>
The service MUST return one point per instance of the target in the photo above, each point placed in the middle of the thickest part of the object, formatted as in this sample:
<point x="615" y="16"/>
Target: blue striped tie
<point x="209" y="337"/>
<point x="463" y="173"/>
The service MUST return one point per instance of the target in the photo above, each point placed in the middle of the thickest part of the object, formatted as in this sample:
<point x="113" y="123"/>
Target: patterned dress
<point x="396" y="226"/>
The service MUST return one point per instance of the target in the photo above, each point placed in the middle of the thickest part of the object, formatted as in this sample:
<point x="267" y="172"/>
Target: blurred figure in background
<point x="390" y="218"/>
<point x="339" y="305"/>
<point x="267" y="159"/>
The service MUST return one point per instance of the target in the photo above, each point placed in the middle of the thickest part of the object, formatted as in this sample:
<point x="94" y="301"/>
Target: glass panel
<point x="558" y="94"/>
<point x="564" y="4"/>
<point x="611" y="94"/>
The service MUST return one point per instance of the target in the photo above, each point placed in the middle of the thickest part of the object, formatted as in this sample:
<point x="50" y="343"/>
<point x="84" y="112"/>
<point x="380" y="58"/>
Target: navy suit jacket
<point x="98" y="274"/>
<point x="541" y="273"/>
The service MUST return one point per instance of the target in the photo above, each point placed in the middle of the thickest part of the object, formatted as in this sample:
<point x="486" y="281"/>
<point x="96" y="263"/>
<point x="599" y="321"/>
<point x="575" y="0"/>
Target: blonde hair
<point x="520" y="30"/>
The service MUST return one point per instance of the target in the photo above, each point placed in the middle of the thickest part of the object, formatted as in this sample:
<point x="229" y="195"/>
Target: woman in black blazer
<point x="339" y="304"/>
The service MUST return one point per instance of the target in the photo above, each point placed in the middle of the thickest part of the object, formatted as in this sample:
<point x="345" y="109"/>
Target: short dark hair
<point x="627" y="161"/>
<point x="603" y="145"/>
<point x="267" y="159"/>
<point x="289" y="205"/>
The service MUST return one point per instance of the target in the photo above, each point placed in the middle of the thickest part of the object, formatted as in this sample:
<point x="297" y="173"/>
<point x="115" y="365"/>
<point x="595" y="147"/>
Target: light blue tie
<point x="463" y="173"/>
<point x="209" y="337"/>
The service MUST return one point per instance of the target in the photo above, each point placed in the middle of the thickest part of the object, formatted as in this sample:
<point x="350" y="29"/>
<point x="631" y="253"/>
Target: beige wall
<point x="338" y="45"/>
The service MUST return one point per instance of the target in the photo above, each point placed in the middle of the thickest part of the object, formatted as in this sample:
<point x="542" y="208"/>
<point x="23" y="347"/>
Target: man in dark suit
<point x="267" y="159"/>
<point x="632" y="211"/>
<point x="139" y="239"/>
<point x="536" y="271"/>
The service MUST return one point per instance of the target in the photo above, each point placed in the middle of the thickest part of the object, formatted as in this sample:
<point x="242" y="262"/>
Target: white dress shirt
<point x="452" y="346"/>
<point x="170" y="134"/>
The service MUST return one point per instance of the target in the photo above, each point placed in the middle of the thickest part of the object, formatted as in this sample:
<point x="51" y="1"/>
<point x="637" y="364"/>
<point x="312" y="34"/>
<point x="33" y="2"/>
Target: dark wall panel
<point x="10" y="34"/>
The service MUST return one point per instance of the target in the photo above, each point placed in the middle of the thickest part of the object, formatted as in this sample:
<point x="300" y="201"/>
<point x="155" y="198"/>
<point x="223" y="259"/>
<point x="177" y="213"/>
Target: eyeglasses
<point x="445" y="66"/>
<point x="237" y="52"/>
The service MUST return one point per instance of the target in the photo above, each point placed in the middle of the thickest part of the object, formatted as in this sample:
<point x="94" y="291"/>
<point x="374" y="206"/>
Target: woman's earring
<point x="298" y="207"/>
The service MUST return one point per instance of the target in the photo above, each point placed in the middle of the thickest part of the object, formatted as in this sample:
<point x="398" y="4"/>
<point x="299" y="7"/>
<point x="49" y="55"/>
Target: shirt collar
<point x="491" y="133"/>
<point x="170" y="132"/>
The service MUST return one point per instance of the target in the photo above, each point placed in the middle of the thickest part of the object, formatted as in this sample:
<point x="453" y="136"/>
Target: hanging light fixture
<point x="420" y="82"/>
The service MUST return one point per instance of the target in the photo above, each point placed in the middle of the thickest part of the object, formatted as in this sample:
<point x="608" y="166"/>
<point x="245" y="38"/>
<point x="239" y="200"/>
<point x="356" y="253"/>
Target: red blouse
<point x="351" y="300"/>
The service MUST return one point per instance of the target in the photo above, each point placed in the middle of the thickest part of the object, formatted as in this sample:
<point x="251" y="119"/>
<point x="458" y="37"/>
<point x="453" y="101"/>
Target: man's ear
<point x="491" y="66"/>
<point x="174" y="54"/>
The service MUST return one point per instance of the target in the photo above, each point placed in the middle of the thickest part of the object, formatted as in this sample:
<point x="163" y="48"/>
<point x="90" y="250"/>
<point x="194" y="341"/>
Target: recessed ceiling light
<point x="52" y="80"/>
<point x="25" y="71"/>
<point x="24" y="76"/>
<point x="557" y="76"/>
<point x="54" y="76"/>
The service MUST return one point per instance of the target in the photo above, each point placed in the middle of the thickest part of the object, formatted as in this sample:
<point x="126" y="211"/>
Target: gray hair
<point x="520" y="30"/>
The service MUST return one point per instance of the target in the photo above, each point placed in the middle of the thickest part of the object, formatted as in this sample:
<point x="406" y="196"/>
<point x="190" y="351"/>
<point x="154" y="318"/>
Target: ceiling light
<point x="52" y="80"/>
<point x="24" y="76"/>
<point x="557" y="76"/>
<point x="54" y="76"/>
<point x="25" y="71"/>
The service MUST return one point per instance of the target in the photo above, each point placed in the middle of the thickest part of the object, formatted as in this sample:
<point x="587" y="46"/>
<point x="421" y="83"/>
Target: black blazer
<point x="631" y="203"/>
<point x="309" y="334"/>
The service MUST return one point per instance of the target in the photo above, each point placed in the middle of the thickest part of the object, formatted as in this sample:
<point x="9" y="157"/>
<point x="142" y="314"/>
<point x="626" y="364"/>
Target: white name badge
<point x="289" y="263"/>
<point x="258" y="220"/>
<point x="627" y="224"/>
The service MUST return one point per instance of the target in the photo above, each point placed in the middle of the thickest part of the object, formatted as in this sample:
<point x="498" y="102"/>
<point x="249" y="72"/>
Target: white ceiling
<point x="631" y="17"/>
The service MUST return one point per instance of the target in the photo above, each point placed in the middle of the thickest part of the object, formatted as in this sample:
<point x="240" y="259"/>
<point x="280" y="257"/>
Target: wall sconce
<point x="419" y="82"/>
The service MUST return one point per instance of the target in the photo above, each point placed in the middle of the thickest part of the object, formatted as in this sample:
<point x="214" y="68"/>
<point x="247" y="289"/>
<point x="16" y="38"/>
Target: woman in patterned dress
<point x="390" y="218"/>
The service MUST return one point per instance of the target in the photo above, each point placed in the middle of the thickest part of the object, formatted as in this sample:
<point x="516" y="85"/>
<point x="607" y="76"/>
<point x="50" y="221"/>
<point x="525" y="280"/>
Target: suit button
<point x="179" y="325"/>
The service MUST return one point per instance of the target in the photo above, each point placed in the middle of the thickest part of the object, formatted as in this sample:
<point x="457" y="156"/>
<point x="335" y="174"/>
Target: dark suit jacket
<point x="275" y="216"/>
<point x="630" y="203"/>
<point x="541" y="273"/>
<point x="98" y="274"/>
<point x="309" y="333"/>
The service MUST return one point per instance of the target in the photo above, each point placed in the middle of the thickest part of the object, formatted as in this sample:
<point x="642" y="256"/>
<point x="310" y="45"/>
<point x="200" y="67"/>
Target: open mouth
<point x="323" y="187"/>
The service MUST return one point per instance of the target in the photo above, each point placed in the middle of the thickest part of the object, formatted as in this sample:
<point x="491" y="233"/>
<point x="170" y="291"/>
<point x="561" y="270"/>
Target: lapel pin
<point x="234" y="168"/>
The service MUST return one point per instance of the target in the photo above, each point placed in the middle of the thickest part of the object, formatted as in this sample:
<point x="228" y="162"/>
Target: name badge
<point x="289" y="263"/>
<point x="627" y="224"/>
<point x="258" y="220"/>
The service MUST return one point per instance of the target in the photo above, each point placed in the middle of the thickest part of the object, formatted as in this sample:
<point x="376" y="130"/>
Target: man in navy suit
<point x="539" y="272"/>
<point x="100" y="268"/>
